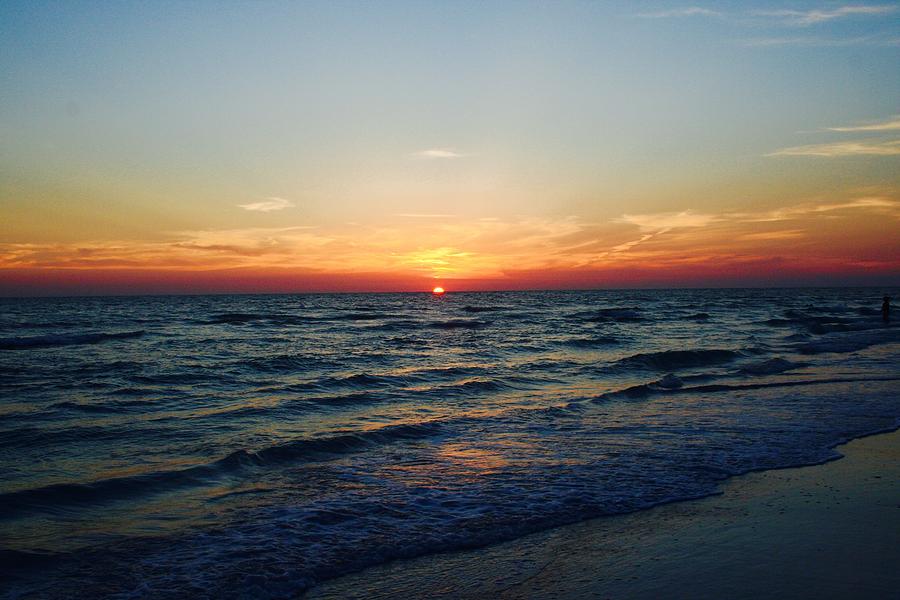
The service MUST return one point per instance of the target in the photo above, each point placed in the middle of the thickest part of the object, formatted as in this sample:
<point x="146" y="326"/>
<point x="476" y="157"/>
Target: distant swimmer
<point x="886" y="309"/>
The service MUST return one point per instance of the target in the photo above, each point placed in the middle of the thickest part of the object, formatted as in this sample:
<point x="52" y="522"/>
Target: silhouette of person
<point x="886" y="309"/>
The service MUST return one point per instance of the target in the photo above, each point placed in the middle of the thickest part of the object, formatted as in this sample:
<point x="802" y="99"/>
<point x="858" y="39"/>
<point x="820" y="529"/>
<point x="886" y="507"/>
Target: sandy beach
<point x="824" y="531"/>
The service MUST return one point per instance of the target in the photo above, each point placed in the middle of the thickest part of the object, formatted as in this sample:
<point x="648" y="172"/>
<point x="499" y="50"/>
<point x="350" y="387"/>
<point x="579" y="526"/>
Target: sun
<point x="437" y="291"/>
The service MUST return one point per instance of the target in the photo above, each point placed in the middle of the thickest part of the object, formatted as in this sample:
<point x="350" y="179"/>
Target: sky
<point x="194" y="147"/>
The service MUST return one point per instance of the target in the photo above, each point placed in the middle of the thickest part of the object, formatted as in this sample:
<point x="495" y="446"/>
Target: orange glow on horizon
<point x="830" y="242"/>
<point x="437" y="291"/>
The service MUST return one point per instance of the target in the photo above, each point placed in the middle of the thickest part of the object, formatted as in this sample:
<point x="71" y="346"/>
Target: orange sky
<point x="852" y="241"/>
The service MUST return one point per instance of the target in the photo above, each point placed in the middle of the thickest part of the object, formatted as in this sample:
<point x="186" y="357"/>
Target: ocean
<point x="251" y="446"/>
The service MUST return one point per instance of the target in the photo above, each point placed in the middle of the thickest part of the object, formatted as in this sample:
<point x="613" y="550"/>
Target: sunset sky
<point x="378" y="146"/>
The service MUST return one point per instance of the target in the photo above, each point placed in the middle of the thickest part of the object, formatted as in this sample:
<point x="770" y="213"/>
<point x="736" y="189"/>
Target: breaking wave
<point x="67" y="339"/>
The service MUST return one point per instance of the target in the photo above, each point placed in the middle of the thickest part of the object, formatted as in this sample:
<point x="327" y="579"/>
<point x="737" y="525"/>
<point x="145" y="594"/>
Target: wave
<point x="83" y="432"/>
<point x="702" y="316"/>
<point x="670" y="382"/>
<point x="396" y="325"/>
<point x="245" y="318"/>
<point x="589" y="342"/>
<point x="459" y="324"/>
<point x="288" y="407"/>
<point x="185" y="378"/>
<point x="358" y="528"/>
<point x="81" y="407"/>
<point x="12" y="324"/>
<point x="338" y="444"/>
<point x="352" y="399"/>
<point x="481" y="309"/>
<point x="462" y="387"/>
<point x="285" y="363"/>
<point x="403" y="385"/>
<point x="850" y="341"/>
<point x="333" y="382"/>
<point x="72" y="339"/>
<point x="408" y="341"/>
<point x="358" y="316"/>
<point x="756" y="386"/>
<point x="437" y="373"/>
<point x="60" y="497"/>
<point x="647" y="389"/>
<point x="820" y="325"/>
<point x="410" y="324"/>
<point x="434" y="381"/>
<point x="365" y="380"/>
<point x="678" y="359"/>
<point x="619" y="314"/>
<point x="290" y="319"/>
<point x="356" y="380"/>
<point x="772" y="366"/>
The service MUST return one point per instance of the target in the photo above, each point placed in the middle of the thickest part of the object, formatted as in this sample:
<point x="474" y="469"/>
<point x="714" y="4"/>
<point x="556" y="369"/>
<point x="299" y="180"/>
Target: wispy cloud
<point x="438" y="153"/>
<point x="660" y="221"/>
<point x="790" y="17"/>
<point x="867" y="202"/>
<point x="654" y="225"/>
<point x="623" y="247"/>
<point x="688" y="11"/>
<point x="424" y="215"/>
<point x="878" y="40"/>
<point x="484" y="248"/>
<point x="786" y="234"/>
<point x="883" y="205"/>
<point x="812" y="17"/>
<point x="885" y="37"/>
<point x="268" y="205"/>
<point x="848" y="148"/>
<point x="891" y="124"/>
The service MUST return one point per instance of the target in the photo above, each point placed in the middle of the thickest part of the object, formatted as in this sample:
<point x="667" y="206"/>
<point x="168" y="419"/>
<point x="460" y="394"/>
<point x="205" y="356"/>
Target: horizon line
<point x="452" y="292"/>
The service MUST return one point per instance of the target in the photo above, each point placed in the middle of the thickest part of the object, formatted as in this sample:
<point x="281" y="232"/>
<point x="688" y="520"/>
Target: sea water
<point x="251" y="446"/>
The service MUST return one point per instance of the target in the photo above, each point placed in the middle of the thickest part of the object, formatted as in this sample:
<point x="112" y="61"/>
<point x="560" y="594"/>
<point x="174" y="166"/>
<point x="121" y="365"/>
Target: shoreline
<point x="829" y="530"/>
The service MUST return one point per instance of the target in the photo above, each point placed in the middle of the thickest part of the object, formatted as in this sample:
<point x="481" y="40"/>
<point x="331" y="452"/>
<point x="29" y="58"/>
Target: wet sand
<point x="825" y="531"/>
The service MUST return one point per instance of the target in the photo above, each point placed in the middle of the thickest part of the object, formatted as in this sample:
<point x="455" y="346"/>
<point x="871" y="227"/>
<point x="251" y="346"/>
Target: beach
<point x="823" y="531"/>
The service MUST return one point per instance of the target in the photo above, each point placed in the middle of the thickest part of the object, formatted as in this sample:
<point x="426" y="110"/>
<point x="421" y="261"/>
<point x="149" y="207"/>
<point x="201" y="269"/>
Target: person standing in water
<point x="886" y="309"/>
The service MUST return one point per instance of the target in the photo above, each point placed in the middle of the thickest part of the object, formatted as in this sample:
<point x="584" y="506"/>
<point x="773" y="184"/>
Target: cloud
<point x="824" y="42"/>
<point x="268" y="205"/>
<point x="891" y="124"/>
<point x="433" y="153"/>
<point x="801" y="18"/>
<point x="689" y="11"/>
<point x="838" y="149"/>
<point x="805" y="18"/>
<point x="654" y="225"/>
<point x="424" y="216"/>
<point x="879" y="204"/>
<point x="666" y="221"/>
<point x="631" y="244"/>
<point x="484" y="248"/>
<point x="866" y="203"/>
<point x="787" y="234"/>
<point x="438" y="261"/>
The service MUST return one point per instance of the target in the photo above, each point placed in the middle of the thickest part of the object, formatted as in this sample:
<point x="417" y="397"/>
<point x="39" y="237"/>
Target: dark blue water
<point x="249" y="446"/>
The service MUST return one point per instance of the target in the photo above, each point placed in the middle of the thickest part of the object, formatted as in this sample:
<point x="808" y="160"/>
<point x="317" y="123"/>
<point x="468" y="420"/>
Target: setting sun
<point x="437" y="291"/>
